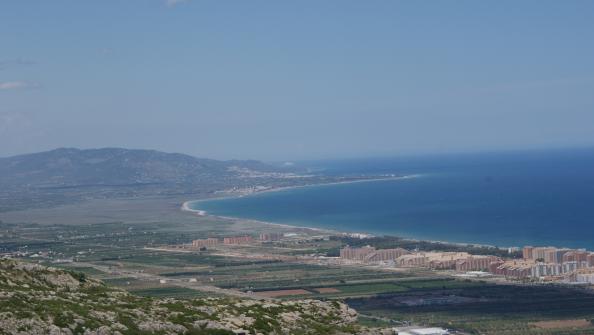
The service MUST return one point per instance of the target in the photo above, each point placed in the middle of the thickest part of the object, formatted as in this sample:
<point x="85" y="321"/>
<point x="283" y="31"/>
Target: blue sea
<point x="501" y="199"/>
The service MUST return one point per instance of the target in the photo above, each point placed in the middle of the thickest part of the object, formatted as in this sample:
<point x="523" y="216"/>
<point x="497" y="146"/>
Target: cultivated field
<point x="104" y="240"/>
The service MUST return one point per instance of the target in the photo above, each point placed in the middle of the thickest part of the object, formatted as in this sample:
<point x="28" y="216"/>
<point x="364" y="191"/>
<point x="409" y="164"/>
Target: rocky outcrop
<point x="41" y="300"/>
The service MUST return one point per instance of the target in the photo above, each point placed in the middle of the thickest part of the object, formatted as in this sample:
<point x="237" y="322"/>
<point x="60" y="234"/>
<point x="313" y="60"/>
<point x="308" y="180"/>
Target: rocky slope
<point x="41" y="300"/>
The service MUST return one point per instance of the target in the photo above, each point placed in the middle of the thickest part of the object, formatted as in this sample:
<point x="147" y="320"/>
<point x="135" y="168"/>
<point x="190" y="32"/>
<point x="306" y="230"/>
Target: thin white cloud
<point x="172" y="3"/>
<point x="14" y="85"/>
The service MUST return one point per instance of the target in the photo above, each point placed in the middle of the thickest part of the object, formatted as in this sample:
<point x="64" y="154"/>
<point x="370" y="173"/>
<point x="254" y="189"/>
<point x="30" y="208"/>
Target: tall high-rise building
<point x="527" y="252"/>
<point x="576" y="256"/>
<point x="590" y="259"/>
<point x="553" y="255"/>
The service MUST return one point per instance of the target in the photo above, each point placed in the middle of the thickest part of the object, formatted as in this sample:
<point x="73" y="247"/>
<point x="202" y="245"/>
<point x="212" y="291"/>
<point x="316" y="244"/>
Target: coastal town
<point x="546" y="264"/>
<point x="257" y="261"/>
<point x="536" y="264"/>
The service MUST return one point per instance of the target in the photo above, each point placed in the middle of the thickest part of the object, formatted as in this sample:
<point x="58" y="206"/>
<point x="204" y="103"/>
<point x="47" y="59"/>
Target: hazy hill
<point x="68" y="167"/>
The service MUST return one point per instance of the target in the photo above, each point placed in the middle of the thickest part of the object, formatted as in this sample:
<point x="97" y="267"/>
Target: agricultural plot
<point x="487" y="309"/>
<point x="114" y="250"/>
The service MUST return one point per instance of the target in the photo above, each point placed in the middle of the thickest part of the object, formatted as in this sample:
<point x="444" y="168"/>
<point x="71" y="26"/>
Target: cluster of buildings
<point x="554" y="255"/>
<point x="516" y="269"/>
<point x="213" y="242"/>
<point x="585" y="276"/>
<point x="238" y="239"/>
<point x="549" y="263"/>
<point x="205" y="243"/>
<point x="475" y="263"/>
<point x="461" y="261"/>
<point x="370" y="254"/>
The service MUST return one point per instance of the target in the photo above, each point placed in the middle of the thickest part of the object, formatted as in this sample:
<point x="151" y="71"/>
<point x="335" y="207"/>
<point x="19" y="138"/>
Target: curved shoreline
<point x="202" y="213"/>
<point x="186" y="208"/>
<point x="333" y="231"/>
<point x="186" y="205"/>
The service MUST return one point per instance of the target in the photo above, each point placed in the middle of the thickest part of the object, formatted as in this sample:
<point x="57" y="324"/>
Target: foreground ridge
<point x="35" y="299"/>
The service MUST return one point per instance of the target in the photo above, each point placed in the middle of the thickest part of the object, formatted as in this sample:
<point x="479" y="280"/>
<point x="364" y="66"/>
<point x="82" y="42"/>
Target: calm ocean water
<point x="511" y="199"/>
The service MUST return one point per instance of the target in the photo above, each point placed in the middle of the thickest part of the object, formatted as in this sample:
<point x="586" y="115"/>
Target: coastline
<point x="186" y="208"/>
<point x="186" y="204"/>
<point x="202" y="213"/>
<point x="369" y="180"/>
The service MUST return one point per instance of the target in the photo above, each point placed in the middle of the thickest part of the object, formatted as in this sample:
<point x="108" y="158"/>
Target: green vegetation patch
<point x="482" y="308"/>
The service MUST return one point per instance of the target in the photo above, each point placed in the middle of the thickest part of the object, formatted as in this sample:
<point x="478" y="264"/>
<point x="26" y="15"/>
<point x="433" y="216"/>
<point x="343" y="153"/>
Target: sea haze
<point x="504" y="199"/>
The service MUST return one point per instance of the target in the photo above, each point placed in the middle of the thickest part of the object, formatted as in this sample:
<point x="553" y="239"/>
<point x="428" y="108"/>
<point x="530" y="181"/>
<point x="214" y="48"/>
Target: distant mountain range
<point x="68" y="167"/>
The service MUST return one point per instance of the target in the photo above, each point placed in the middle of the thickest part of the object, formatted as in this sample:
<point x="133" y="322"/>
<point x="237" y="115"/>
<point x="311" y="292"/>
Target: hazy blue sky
<point x="296" y="79"/>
